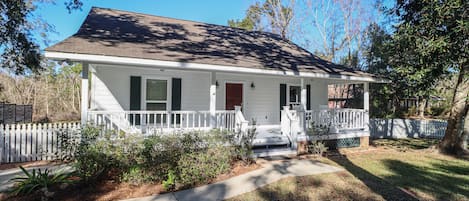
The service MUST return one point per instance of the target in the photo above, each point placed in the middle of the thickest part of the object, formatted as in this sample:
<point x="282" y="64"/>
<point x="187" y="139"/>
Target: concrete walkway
<point x="271" y="172"/>
<point x="7" y="175"/>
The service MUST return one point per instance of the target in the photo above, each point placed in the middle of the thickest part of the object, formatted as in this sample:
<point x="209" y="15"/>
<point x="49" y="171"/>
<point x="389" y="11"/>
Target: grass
<point x="395" y="170"/>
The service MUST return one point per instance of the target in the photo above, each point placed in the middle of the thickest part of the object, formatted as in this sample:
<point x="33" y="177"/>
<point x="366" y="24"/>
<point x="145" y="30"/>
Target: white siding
<point x="111" y="87"/>
<point x="263" y="102"/>
<point x="110" y="90"/>
<point x="318" y="93"/>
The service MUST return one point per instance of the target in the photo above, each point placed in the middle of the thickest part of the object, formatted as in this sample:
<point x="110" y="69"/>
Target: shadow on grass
<point x="374" y="183"/>
<point x="279" y="192"/>
<point x="301" y="187"/>
<point x="408" y="143"/>
<point x="441" y="180"/>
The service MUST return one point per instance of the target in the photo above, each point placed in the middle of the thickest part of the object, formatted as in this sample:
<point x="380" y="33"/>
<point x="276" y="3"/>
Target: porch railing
<point x="160" y="121"/>
<point x="342" y="119"/>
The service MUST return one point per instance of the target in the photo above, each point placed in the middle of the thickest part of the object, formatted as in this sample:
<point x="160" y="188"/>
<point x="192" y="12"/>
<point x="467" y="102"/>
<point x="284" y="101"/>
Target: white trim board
<point x="101" y="59"/>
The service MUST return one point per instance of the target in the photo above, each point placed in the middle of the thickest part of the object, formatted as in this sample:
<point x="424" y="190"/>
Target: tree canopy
<point x="18" y="48"/>
<point x="429" y="41"/>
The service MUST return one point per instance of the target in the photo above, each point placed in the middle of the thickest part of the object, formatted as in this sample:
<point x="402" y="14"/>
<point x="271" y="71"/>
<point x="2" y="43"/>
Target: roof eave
<point x="103" y="59"/>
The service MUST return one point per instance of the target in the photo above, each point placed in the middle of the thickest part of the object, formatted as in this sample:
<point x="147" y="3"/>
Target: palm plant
<point x="37" y="180"/>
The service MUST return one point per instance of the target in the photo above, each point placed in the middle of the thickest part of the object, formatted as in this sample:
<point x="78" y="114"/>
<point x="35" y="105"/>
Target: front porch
<point x="271" y="139"/>
<point x="285" y="109"/>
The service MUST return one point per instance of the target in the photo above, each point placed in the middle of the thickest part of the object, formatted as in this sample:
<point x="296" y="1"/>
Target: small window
<point x="156" y="94"/>
<point x="295" y="94"/>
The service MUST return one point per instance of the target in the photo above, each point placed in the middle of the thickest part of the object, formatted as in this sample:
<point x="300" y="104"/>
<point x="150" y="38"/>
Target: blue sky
<point x="209" y="11"/>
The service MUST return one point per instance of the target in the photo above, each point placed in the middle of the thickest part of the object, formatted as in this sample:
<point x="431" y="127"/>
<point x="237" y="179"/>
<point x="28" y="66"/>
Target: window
<point x="156" y="94"/>
<point x="295" y="94"/>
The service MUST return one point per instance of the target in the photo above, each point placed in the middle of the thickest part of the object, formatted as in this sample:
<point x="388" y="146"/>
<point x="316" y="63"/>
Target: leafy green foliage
<point x="136" y="175"/>
<point x="251" y="21"/>
<point x="429" y="42"/>
<point x="19" y="50"/>
<point x="170" y="182"/>
<point x="90" y="161"/>
<point x="178" y="159"/>
<point x="244" y="149"/>
<point x="37" y="180"/>
<point x="202" y="166"/>
<point x="278" y="15"/>
<point x="68" y="141"/>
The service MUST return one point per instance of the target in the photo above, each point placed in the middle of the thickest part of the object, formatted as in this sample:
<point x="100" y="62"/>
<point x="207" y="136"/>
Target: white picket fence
<point x="32" y="142"/>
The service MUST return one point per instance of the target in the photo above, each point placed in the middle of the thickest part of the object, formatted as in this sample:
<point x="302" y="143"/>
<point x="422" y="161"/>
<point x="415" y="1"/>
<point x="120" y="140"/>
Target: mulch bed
<point x="111" y="189"/>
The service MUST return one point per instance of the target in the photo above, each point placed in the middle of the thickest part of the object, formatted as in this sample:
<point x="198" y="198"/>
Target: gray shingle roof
<point x="126" y="34"/>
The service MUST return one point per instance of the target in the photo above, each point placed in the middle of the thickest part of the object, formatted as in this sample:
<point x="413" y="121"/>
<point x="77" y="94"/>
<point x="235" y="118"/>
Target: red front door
<point x="234" y="95"/>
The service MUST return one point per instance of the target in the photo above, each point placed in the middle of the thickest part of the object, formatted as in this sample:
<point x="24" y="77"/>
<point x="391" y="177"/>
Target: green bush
<point x="202" y="166"/>
<point x="136" y="175"/>
<point x="90" y="161"/>
<point x="68" y="141"/>
<point x="170" y="182"/>
<point x="244" y="149"/>
<point x="436" y="111"/>
<point x="178" y="158"/>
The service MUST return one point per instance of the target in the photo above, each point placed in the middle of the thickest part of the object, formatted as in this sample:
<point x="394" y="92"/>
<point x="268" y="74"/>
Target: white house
<point x="145" y="73"/>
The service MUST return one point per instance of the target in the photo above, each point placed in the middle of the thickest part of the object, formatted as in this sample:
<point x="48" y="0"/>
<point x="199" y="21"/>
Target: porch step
<point x="269" y="135"/>
<point x="261" y="153"/>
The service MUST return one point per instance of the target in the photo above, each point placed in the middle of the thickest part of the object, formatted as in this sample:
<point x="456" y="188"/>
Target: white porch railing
<point x="161" y="121"/>
<point x="342" y="119"/>
<point x="297" y="123"/>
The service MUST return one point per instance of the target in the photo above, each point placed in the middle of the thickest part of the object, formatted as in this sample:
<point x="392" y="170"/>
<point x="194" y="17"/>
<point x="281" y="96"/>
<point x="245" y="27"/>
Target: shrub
<point x="100" y="152"/>
<point x="90" y="161"/>
<point x="317" y="148"/>
<point x="170" y="182"/>
<point x="136" y="175"/>
<point x="38" y="180"/>
<point x="178" y="158"/>
<point x="203" y="165"/>
<point x="68" y="141"/>
<point x="244" y="150"/>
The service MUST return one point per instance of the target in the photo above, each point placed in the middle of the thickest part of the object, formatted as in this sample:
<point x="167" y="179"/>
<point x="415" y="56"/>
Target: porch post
<point x="213" y="99"/>
<point x="366" y="103"/>
<point x="302" y="112"/>
<point x="84" y="93"/>
<point x="303" y="94"/>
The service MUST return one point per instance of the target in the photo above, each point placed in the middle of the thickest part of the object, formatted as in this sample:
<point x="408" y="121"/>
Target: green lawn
<point x="395" y="170"/>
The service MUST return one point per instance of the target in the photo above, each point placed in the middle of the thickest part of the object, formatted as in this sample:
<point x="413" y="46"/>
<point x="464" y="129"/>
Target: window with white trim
<point x="156" y="97"/>
<point x="294" y="95"/>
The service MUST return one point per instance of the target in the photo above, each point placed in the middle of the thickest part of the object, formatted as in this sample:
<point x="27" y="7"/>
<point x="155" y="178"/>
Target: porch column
<point x="84" y="93"/>
<point x="213" y="99"/>
<point x="303" y="94"/>
<point x="366" y="103"/>
<point x="302" y="113"/>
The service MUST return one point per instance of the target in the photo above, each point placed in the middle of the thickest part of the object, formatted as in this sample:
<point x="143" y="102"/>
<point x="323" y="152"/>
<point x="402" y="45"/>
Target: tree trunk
<point x="465" y="135"/>
<point x="453" y="141"/>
